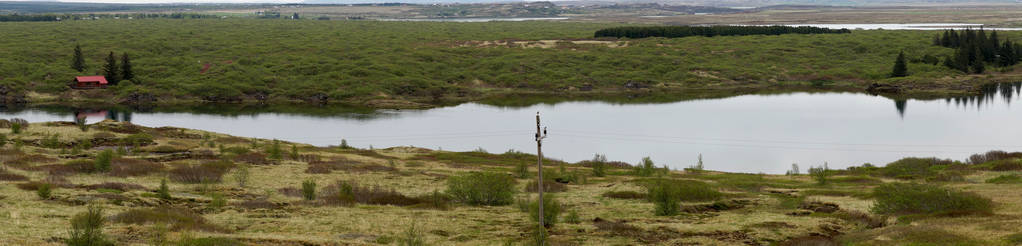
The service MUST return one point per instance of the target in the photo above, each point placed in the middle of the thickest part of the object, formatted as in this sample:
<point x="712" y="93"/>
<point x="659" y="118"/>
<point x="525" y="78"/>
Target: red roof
<point x="100" y="79"/>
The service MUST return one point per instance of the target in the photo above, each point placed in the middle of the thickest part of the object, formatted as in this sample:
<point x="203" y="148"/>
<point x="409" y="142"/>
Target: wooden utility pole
<point x="539" y="182"/>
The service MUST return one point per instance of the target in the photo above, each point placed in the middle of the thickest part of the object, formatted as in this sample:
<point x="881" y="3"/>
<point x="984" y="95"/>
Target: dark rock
<point x="877" y="88"/>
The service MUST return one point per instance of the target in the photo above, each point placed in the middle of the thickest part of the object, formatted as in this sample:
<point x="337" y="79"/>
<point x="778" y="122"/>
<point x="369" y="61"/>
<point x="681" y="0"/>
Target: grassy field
<point x="225" y="190"/>
<point x="401" y="64"/>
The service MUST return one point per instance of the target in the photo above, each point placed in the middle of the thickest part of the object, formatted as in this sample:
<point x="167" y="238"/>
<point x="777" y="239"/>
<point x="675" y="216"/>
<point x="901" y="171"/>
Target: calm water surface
<point x="752" y="133"/>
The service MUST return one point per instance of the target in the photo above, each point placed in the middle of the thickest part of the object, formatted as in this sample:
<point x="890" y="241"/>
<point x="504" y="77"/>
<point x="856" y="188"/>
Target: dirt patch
<point x="820" y="207"/>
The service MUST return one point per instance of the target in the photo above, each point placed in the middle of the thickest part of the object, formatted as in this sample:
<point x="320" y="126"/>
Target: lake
<point x="750" y="133"/>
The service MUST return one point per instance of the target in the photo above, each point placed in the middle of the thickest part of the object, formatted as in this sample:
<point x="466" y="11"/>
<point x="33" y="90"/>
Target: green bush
<point x="912" y="167"/>
<point x="599" y="165"/>
<point x="572" y="217"/>
<point x="1006" y="179"/>
<point x="44" y="191"/>
<point x="645" y="168"/>
<point x="482" y="188"/>
<point x="309" y="190"/>
<point x="522" y="170"/>
<point x="912" y="198"/>
<point x="666" y="197"/>
<point x="103" y="160"/>
<point x="411" y="237"/>
<point x="274" y="152"/>
<point x="87" y="228"/>
<point x="551" y="210"/>
<point x="819" y="174"/>
<point x="164" y="191"/>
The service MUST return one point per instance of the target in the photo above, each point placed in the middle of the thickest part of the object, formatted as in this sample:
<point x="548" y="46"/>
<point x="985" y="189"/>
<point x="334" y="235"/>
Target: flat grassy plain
<point x="265" y="206"/>
<point x="423" y="64"/>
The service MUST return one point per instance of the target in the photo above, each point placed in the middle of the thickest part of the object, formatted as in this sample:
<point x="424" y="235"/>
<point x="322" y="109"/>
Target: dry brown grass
<point x="127" y="167"/>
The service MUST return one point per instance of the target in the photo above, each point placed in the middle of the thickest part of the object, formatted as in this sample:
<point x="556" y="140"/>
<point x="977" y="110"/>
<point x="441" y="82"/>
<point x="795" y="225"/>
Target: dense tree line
<point x="709" y="31"/>
<point x="974" y="48"/>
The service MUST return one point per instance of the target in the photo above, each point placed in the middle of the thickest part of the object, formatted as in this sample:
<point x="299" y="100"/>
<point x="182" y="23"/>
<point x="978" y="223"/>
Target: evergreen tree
<point x="994" y="45"/>
<point x="900" y="69"/>
<point x="961" y="60"/>
<point x="945" y="40"/>
<point x="978" y="67"/>
<point x="110" y="69"/>
<point x="1006" y="54"/>
<point x="77" y="61"/>
<point x="955" y="40"/>
<point x="126" y="73"/>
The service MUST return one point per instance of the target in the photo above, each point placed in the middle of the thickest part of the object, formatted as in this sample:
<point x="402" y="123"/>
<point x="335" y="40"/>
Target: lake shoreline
<point x="922" y="90"/>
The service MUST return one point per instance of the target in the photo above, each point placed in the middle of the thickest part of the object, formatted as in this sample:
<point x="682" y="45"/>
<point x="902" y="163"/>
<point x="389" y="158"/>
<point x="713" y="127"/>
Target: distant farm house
<point x="89" y="82"/>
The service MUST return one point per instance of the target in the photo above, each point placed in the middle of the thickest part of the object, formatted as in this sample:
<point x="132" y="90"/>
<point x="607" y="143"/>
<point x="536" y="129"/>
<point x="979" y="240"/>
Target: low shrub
<point x="522" y="171"/>
<point x="254" y="158"/>
<point x="137" y="139"/>
<point x="644" y="168"/>
<point x="44" y="191"/>
<point x="551" y="210"/>
<point x="189" y="174"/>
<point x="994" y="155"/>
<point x="1006" y="179"/>
<point x="164" y="191"/>
<point x="127" y="167"/>
<point x="549" y="185"/>
<point x="912" y="167"/>
<point x="87" y="229"/>
<point x="309" y="190"/>
<point x="688" y="190"/>
<point x="482" y="188"/>
<point x="103" y="160"/>
<point x="819" y="174"/>
<point x="411" y="237"/>
<point x="345" y="193"/>
<point x="625" y="195"/>
<point x="912" y="198"/>
<point x="1006" y="165"/>
<point x="572" y="217"/>
<point x="178" y="218"/>
<point x="114" y="186"/>
<point x="665" y="197"/>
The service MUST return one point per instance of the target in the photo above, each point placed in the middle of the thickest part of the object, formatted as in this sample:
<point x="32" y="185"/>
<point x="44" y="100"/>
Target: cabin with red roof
<point x="89" y="82"/>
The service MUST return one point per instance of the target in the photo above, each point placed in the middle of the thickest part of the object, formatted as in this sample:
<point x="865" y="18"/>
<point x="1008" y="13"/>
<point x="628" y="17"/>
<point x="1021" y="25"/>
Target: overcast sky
<point x="174" y="1"/>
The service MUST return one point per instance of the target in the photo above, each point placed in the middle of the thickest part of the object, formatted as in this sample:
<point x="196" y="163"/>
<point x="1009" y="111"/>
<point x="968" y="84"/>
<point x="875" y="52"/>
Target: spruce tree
<point x="900" y="69"/>
<point x="110" y="69"/>
<point x="77" y="61"/>
<point x="1006" y="54"/>
<point x="126" y="73"/>
<point x="961" y="62"/>
<point x="978" y="67"/>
